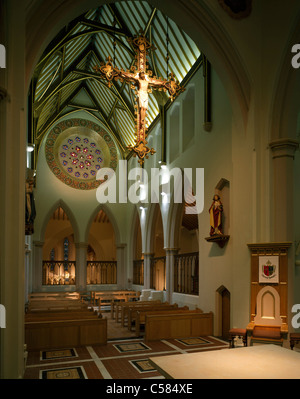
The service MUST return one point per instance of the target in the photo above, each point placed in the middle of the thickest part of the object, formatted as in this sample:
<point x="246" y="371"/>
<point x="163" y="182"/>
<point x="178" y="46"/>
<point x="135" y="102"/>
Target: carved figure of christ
<point x="143" y="81"/>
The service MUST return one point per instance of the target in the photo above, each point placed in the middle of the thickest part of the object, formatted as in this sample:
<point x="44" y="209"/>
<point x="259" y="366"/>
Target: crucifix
<point x="142" y="81"/>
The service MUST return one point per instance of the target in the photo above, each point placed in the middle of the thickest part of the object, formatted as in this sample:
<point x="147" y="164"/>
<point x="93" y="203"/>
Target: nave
<point x="124" y="356"/>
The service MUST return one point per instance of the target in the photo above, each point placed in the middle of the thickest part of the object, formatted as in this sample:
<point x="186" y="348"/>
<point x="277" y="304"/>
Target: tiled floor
<point x="118" y="359"/>
<point x="125" y="356"/>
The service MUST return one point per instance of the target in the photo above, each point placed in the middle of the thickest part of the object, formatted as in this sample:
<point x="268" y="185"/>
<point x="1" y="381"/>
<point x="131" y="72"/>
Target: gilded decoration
<point x="76" y="149"/>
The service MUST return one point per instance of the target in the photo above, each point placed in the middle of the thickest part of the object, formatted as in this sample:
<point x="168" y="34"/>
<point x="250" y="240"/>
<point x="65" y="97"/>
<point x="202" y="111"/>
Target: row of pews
<point x="100" y="298"/>
<point x="64" y="319"/>
<point x="61" y="320"/>
<point x="161" y="320"/>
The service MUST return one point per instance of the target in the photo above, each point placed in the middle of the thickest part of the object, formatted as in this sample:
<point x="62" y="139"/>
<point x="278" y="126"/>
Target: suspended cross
<point x="140" y="79"/>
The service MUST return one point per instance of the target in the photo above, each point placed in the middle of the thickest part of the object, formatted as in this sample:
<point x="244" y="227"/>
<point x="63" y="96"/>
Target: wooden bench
<point x="180" y="325"/>
<point x="66" y="304"/>
<point x="53" y="295"/>
<point x="121" y="294"/>
<point x="132" y="311"/>
<point x="141" y="315"/>
<point x="122" y="308"/>
<point x="56" y="333"/>
<point x="57" y="328"/>
<point x="111" y="298"/>
<point x="62" y="315"/>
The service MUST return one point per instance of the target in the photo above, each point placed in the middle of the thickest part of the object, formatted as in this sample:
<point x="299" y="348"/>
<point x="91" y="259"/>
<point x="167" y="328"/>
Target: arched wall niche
<point x="268" y="307"/>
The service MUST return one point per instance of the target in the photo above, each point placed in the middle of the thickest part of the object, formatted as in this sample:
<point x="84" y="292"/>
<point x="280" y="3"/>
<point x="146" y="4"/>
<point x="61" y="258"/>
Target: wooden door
<point x="225" y="313"/>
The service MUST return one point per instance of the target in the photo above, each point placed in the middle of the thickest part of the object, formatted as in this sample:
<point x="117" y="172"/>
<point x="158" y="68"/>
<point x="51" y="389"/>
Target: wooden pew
<point x="124" y="294"/>
<point x="62" y="315"/>
<point x="141" y="315"/>
<point x="111" y="298"/>
<point x="122" y="308"/>
<point x="60" y="327"/>
<point x="117" y="308"/>
<point x="53" y="295"/>
<point x="180" y="325"/>
<point x="63" y="304"/>
<point x="132" y="311"/>
<point x="57" y="333"/>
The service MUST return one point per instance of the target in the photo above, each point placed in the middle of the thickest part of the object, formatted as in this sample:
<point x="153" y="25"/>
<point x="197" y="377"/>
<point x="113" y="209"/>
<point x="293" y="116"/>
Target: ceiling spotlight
<point x="30" y="147"/>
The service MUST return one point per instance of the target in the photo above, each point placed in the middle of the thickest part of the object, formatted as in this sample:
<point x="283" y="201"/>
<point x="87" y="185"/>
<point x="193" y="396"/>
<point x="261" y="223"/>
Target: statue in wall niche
<point x="215" y="212"/>
<point x="30" y="212"/>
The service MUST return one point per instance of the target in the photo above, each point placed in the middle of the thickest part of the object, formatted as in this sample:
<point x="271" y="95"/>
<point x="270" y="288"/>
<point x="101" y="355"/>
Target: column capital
<point x="38" y="243"/>
<point x="121" y="246"/>
<point x="284" y="147"/>
<point x="148" y="254"/>
<point x="170" y="251"/>
<point x="79" y="245"/>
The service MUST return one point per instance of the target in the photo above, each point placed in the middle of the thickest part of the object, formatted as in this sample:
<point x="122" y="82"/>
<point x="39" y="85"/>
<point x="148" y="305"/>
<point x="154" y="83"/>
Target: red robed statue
<point x="215" y="212"/>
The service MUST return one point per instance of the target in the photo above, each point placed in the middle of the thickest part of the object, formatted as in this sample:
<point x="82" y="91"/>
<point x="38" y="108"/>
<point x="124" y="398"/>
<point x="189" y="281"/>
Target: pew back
<point x="180" y="325"/>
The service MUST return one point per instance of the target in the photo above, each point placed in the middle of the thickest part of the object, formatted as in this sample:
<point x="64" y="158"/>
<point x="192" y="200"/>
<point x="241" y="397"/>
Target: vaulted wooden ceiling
<point x="64" y="80"/>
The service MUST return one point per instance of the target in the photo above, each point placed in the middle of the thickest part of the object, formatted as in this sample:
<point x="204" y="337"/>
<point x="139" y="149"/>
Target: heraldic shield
<point x="269" y="269"/>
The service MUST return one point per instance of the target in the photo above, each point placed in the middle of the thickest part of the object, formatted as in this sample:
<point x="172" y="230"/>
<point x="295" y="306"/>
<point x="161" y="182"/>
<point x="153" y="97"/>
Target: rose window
<point x="76" y="149"/>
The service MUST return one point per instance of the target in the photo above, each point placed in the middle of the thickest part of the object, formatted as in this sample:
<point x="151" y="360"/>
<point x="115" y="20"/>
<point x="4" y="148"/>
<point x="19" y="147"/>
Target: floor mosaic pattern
<point x="118" y="359"/>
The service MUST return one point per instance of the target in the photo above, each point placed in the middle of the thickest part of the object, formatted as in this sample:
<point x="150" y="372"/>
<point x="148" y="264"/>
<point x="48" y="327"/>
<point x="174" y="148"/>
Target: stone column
<point x="283" y="180"/>
<point x="81" y="272"/>
<point x="37" y="266"/>
<point x="170" y="253"/>
<point x="283" y="151"/>
<point x="121" y="267"/>
<point x="147" y="269"/>
<point x="12" y="199"/>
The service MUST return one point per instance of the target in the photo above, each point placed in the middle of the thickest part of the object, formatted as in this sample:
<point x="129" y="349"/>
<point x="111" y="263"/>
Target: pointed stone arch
<point x="60" y="203"/>
<point x="111" y="218"/>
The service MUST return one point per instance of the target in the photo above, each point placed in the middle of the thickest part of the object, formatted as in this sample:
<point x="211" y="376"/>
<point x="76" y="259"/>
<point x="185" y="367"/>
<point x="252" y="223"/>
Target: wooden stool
<point x="237" y="332"/>
<point x="294" y="339"/>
